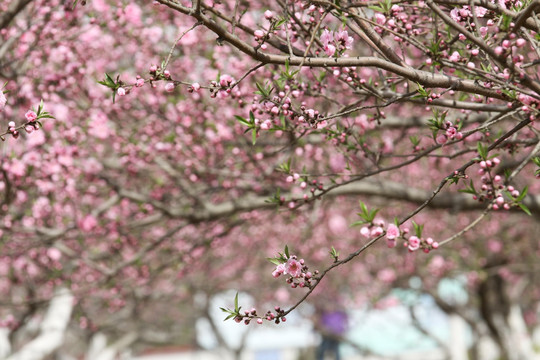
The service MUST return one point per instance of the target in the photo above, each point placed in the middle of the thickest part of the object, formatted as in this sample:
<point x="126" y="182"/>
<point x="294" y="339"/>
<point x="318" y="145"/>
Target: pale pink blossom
<point x="454" y="57"/>
<point x="259" y="34"/>
<point x="380" y="19"/>
<point x="364" y="231"/>
<point x="88" y="223"/>
<point x="326" y="37"/>
<point x="414" y="243"/>
<point x="30" y="115"/>
<point x="454" y="14"/>
<point x="480" y="11"/>
<point x="294" y="268"/>
<point x="376" y="231"/>
<point x="483" y="30"/>
<point x="392" y="232"/>
<point x="169" y="87"/>
<point x="441" y="139"/>
<point x="226" y="80"/>
<point x="330" y="49"/>
<point x="54" y="254"/>
<point x="344" y="39"/>
<point x="279" y="270"/>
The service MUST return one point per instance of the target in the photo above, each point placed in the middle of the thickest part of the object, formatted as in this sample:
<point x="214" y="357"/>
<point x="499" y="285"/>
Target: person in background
<point x="331" y="323"/>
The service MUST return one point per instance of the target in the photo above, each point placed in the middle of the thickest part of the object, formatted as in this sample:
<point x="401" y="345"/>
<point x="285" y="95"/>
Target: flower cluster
<point x="298" y="271"/>
<point x="373" y="229"/>
<point x="32" y="122"/>
<point x="336" y="42"/>
<point x="222" y="88"/>
<point x="451" y="133"/>
<point x="493" y="188"/>
<point x="464" y="13"/>
<point x="247" y="316"/>
<point x="412" y="242"/>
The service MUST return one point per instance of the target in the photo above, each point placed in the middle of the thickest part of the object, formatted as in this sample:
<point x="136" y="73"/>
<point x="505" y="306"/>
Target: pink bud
<point x="30" y="115"/>
<point x="520" y="42"/>
<point x="169" y="87"/>
<point x="121" y="91"/>
<point x="268" y="15"/>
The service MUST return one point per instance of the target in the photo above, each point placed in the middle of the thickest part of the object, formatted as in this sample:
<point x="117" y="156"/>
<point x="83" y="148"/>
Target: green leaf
<point x="482" y="150"/>
<point x="525" y="209"/>
<point x="274" y="261"/>
<point x="334" y="253"/>
<point x="287" y="251"/>
<point x="236" y="308"/>
<point x="242" y="120"/>
<point x="254" y="136"/>
<point x="357" y="223"/>
<point x="523" y="193"/>
<point x="418" y="229"/>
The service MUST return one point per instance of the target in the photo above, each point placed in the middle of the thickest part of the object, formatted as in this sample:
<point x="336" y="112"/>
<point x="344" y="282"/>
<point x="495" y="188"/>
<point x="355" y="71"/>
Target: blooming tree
<point x="186" y="142"/>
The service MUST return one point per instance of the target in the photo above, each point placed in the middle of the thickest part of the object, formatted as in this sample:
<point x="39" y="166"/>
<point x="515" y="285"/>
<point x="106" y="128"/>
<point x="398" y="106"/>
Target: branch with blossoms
<point x="490" y="70"/>
<point x="32" y="123"/>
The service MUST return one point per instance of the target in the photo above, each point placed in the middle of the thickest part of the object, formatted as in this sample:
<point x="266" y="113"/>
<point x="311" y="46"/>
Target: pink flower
<point x="294" y="268"/>
<point x="330" y="50"/>
<point x="441" y="139"/>
<point x="380" y="18"/>
<point x="344" y="39"/>
<point x="326" y="37"/>
<point x="169" y="87"/>
<point x="480" y="11"/>
<point x="30" y="115"/>
<point x="454" y="14"/>
<point x="392" y="232"/>
<point x="88" y="223"/>
<point x="519" y="43"/>
<point x="226" y="80"/>
<point x="54" y="254"/>
<point x="376" y="231"/>
<point x="268" y="15"/>
<point x="364" y="231"/>
<point x="280" y="269"/>
<point x="121" y="91"/>
<point x="454" y="57"/>
<point x="414" y="243"/>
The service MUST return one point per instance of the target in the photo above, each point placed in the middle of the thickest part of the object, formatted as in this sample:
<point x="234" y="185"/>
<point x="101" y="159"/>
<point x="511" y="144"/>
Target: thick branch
<point x="426" y="79"/>
<point x="52" y="329"/>
<point x="15" y="8"/>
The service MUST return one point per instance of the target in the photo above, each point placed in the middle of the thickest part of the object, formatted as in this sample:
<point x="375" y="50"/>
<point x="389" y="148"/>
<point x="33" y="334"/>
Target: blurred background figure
<point x="332" y="323"/>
